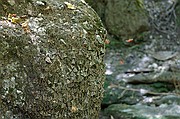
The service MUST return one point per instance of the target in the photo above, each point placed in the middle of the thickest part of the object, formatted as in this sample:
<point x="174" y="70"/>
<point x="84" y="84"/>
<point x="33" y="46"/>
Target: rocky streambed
<point x="144" y="88"/>
<point x="143" y="70"/>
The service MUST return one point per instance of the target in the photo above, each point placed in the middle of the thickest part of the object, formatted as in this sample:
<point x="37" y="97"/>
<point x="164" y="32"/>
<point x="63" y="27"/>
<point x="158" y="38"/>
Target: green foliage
<point x="140" y="4"/>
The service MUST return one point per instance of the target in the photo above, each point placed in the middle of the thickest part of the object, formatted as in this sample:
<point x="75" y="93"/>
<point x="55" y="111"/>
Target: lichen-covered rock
<point x="51" y="60"/>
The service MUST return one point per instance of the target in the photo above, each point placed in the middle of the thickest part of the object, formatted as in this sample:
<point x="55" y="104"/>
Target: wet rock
<point x="120" y="111"/>
<point x="164" y="76"/>
<point x="169" y="99"/>
<point x="140" y="79"/>
<point x="164" y="55"/>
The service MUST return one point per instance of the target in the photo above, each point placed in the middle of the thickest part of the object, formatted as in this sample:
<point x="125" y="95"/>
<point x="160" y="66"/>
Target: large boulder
<point x="51" y="60"/>
<point x="122" y="18"/>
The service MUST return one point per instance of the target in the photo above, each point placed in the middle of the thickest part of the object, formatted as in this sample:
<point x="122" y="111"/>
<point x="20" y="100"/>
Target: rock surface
<point x="122" y="18"/>
<point x="51" y="60"/>
<point x="143" y="112"/>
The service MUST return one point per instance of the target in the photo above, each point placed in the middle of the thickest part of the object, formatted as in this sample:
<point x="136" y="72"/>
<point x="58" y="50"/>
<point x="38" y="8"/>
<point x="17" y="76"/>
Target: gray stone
<point x="120" y="111"/>
<point x="124" y="18"/>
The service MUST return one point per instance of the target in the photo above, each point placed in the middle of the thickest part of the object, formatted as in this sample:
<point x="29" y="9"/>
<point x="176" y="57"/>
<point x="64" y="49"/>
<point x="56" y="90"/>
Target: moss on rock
<point x="53" y="67"/>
